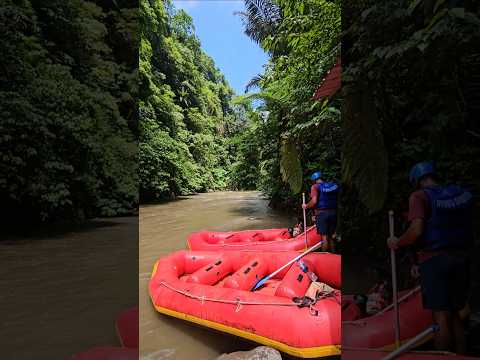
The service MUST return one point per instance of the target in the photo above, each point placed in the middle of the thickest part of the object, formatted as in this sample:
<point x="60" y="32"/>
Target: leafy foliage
<point x="363" y="140"/>
<point x="185" y="110"/>
<point x="261" y="19"/>
<point x="290" y="166"/>
<point x="245" y="170"/>
<point x="420" y="61"/>
<point x="297" y="134"/>
<point x="67" y="106"/>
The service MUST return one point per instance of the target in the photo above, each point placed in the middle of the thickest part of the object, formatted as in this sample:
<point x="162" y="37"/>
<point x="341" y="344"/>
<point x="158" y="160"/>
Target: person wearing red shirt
<point x="441" y="228"/>
<point x="323" y="200"/>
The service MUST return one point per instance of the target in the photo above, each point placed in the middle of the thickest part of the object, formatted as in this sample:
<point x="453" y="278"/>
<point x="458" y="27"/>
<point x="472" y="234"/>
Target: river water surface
<point x="163" y="229"/>
<point x="61" y="289"/>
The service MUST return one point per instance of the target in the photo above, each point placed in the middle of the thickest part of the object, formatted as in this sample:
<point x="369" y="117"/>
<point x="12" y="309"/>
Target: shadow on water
<point x="249" y="207"/>
<point x="210" y="337"/>
<point x="66" y="285"/>
<point x="59" y="230"/>
<point x="146" y="203"/>
<point x="250" y="211"/>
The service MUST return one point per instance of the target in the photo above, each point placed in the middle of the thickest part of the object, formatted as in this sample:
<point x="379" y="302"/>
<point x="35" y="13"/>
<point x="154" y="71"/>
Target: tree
<point x="408" y="98"/>
<point x="299" y="135"/>
<point x="67" y="145"/>
<point x="184" y="108"/>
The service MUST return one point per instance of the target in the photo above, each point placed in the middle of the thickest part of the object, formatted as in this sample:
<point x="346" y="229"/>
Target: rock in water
<point x="259" y="353"/>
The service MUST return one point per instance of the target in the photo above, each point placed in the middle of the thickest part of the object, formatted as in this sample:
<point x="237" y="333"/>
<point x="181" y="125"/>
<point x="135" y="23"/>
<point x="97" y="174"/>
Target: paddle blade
<point x="260" y="283"/>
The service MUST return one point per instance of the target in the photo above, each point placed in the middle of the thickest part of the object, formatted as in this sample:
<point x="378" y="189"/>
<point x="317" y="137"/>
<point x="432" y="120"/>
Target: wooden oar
<point x="394" y="282"/>
<point x="263" y="280"/>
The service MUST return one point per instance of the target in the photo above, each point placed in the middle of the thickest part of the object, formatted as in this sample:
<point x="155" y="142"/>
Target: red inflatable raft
<point x="412" y="355"/>
<point x="126" y="325"/>
<point x="377" y="331"/>
<point x="213" y="289"/>
<point x="263" y="240"/>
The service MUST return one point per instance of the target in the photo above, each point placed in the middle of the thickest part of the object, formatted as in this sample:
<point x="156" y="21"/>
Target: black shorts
<point x="445" y="282"/>
<point x="326" y="222"/>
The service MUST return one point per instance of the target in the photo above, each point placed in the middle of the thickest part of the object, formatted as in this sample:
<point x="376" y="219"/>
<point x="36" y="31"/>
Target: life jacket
<point x="327" y="195"/>
<point x="450" y="223"/>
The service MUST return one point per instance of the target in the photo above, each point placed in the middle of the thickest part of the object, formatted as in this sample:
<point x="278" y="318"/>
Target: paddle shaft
<point x="261" y="281"/>
<point x="304" y="221"/>
<point x="410" y="343"/>
<point x="394" y="282"/>
<point x="314" y="247"/>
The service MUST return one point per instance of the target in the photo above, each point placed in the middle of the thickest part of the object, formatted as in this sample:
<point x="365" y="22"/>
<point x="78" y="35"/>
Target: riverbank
<point x="63" y="287"/>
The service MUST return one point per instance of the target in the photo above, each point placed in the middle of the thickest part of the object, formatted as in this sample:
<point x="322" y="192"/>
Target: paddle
<point x="412" y="342"/>
<point x="263" y="280"/>
<point x="394" y="282"/>
<point x="304" y="221"/>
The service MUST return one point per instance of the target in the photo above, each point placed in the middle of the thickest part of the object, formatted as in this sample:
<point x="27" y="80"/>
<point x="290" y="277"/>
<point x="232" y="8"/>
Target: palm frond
<point x="248" y="98"/>
<point x="260" y="18"/>
<point x="254" y="82"/>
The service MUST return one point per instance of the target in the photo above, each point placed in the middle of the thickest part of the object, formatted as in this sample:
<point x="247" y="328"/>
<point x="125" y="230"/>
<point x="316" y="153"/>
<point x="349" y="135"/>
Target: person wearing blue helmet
<point x="441" y="229"/>
<point x="323" y="200"/>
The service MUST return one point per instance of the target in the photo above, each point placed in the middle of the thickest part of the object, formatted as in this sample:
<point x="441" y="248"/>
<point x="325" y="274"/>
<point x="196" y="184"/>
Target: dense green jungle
<point x="109" y="103"/>
<point x="410" y="80"/>
<point x="68" y="95"/>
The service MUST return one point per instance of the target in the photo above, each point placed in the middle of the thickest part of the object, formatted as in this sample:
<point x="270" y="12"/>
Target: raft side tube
<point x="193" y="262"/>
<point x="212" y="273"/>
<point x="331" y="264"/>
<point x="248" y="275"/>
<point x="295" y="283"/>
<point x="258" y="237"/>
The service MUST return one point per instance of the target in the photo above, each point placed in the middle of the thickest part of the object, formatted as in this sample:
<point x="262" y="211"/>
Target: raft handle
<point x="247" y="270"/>
<point x="303" y="301"/>
<point x="255" y="264"/>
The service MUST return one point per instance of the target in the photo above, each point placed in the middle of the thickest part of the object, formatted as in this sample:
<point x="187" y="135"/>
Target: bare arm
<point x="311" y="203"/>
<point x="414" y="231"/>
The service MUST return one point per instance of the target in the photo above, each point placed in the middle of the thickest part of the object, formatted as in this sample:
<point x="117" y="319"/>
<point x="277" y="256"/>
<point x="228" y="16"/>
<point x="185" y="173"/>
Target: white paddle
<point x="262" y="281"/>
<point x="304" y="221"/>
<point x="394" y="283"/>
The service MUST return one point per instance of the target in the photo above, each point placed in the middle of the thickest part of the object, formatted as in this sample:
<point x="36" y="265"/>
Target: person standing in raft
<point x="323" y="200"/>
<point x="441" y="228"/>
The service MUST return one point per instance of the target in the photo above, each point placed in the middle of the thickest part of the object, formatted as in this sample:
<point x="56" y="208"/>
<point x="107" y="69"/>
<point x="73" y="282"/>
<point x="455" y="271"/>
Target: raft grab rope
<point x="299" y="301"/>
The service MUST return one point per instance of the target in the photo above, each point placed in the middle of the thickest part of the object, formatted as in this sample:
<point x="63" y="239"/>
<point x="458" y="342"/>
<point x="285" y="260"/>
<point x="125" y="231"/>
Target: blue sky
<point x="222" y="37"/>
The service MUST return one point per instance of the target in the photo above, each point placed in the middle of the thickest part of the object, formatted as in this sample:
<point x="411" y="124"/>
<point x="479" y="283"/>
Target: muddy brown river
<point x="61" y="288"/>
<point x="163" y="229"/>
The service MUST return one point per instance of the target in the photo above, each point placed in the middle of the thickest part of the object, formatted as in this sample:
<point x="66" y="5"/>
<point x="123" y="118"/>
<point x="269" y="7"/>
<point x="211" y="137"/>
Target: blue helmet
<point x="421" y="169"/>
<point x="316" y="175"/>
